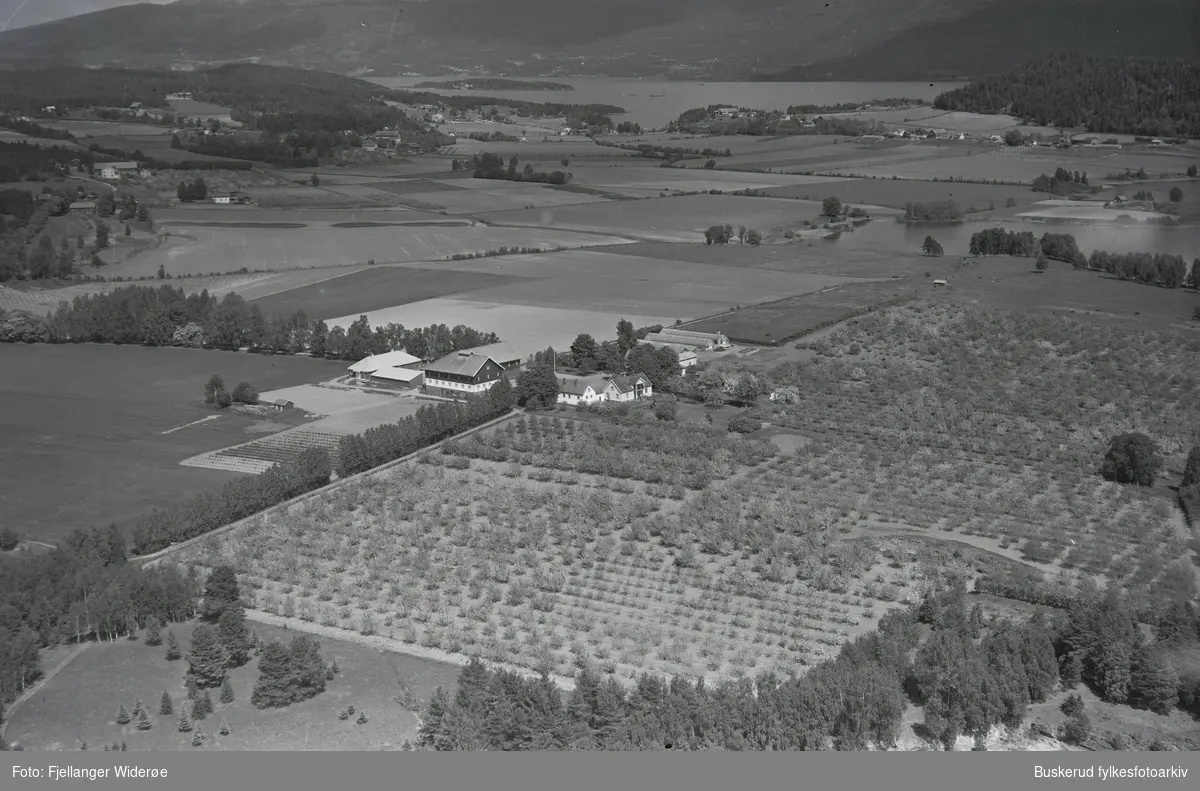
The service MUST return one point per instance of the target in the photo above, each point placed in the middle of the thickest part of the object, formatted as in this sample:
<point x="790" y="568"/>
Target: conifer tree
<point x="197" y="739"/>
<point x="165" y="706"/>
<point x="231" y="631"/>
<point x="173" y="651"/>
<point x="193" y="689"/>
<point x="185" y="722"/>
<point x="123" y="715"/>
<point x="143" y="721"/>
<point x="362" y="718"/>
<point x="220" y="590"/>
<point x="207" y="657"/>
<point x="153" y="631"/>
<point x="137" y="708"/>
<point x="224" y="731"/>
<point x="226" y="692"/>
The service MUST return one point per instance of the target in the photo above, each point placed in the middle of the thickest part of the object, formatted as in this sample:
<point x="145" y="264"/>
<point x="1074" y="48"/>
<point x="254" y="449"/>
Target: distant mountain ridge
<point x="688" y="39"/>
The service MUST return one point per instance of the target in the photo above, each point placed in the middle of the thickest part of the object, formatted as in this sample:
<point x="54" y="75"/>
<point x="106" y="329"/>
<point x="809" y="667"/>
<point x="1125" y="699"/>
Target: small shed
<point x="939" y="283"/>
<point x="280" y="404"/>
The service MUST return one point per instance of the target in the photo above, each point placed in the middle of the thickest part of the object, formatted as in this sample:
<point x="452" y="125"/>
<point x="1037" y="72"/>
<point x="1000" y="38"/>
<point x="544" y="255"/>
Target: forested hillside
<point x="1148" y="96"/>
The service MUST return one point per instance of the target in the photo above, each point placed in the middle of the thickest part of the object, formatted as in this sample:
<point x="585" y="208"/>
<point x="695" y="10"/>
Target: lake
<point x="653" y="103"/>
<point x="885" y="235"/>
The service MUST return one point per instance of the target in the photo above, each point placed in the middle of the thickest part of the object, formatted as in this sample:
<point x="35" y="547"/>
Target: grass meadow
<point x="87" y="423"/>
<point x="81" y="702"/>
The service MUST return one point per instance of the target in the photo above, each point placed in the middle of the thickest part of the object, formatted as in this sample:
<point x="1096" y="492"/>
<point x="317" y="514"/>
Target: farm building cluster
<point x="471" y="372"/>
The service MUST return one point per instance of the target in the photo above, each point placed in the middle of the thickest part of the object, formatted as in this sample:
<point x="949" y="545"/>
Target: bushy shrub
<point x="1132" y="458"/>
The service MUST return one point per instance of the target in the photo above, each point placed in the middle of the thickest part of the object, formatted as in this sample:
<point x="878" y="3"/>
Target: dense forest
<point x="21" y="161"/>
<point x="1146" y="96"/>
<point x="83" y="589"/>
<point x="969" y="673"/>
<point x="1168" y="271"/>
<point x="165" y="316"/>
<point x="997" y="241"/>
<point x="491" y="166"/>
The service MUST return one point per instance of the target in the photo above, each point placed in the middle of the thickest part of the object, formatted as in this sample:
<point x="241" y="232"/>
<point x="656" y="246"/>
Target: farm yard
<point x="638" y="545"/>
<point x="87" y="423"/>
<point x="80" y="704"/>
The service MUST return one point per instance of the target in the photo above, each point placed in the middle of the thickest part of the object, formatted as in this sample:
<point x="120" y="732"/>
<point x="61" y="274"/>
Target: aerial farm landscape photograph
<point x="453" y="375"/>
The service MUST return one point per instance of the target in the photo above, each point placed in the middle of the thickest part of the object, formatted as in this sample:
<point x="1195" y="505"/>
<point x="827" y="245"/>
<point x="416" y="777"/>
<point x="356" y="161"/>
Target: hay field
<point x="537" y="148"/>
<point x="193" y="250"/>
<point x="526" y="329"/>
<point x="782" y="320"/>
<point x="81" y="128"/>
<point x="87" y="423"/>
<point x="491" y="196"/>
<point x="378" y="287"/>
<point x="673" y="219"/>
<point x="1002" y="163"/>
<point x="896" y="193"/>
<point x="649" y="181"/>
<point x="550" y="298"/>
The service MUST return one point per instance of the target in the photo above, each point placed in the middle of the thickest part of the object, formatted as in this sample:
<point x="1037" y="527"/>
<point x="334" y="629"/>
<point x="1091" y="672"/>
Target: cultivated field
<point x="681" y="549"/>
<point x="379" y="287"/>
<point x="87" y="423"/>
<point x="779" y="321"/>
<point x="513" y="548"/>
<point x="200" y="249"/>
<point x="549" y="298"/>
<point x="81" y="702"/>
<point x="888" y="192"/>
<point x="674" y="219"/>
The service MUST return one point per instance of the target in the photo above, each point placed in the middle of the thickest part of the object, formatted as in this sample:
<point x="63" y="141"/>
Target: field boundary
<point x="153" y="558"/>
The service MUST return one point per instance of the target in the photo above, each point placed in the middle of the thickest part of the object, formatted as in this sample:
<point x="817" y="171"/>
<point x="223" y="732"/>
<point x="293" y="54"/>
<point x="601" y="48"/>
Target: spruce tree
<point x="124" y="747"/>
<point x="197" y="740"/>
<point x="272" y="689"/>
<point x="226" y="692"/>
<point x="193" y="690"/>
<point x="137" y="709"/>
<point x="207" y="657"/>
<point x="153" y="631"/>
<point x="231" y="631"/>
<point x="165" y="706"/>
<point x="220" y="591"/>
<point x="185" y="722"/>
<point x="1191" y="470"/>
<point x="123" y="715"/>
<point x="362" y="718"/>
<point x="143" y="721"/>
<point x="224" y="731"/>
<point x="198" y="709"/>
<point x="173" y="652"/>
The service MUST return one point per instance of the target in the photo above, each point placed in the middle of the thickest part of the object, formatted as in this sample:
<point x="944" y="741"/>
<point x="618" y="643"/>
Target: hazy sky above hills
<point x="22" y="13"/>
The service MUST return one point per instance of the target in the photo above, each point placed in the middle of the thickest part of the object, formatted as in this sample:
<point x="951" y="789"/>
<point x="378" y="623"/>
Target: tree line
<point x="970" y="673"/>
<point x="970" y="677"/>
<point x="1063" y="182"/>
<point x="1168" y="271"/>
<point x="312" y="469"/>
<point x="22" y="161"/>
<point x="432" y="423"/>
<point x="491" y="166"/>
<point x="1118" y="95"/>
<point x="81" y="590"/>
<point x="998" y="241"/>
<point x="164" y="316"/>
<point x="933" y="211"/>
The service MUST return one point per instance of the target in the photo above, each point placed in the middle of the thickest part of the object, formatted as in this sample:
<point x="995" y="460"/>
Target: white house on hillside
<point x="580" y="390"/>
<point x="112" y="171"/>
<point x="627" y="387"/>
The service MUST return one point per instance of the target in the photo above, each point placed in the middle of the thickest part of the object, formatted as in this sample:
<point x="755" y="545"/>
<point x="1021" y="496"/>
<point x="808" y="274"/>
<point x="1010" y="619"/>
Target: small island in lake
<point x="495" y="84"/>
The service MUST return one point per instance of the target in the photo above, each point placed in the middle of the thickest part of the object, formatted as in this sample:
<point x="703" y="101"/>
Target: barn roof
<point x="574" y="385"/>
<point x="464" y="363"/>
<point x="405" y="375"/>
<point x="386" y="360"/>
